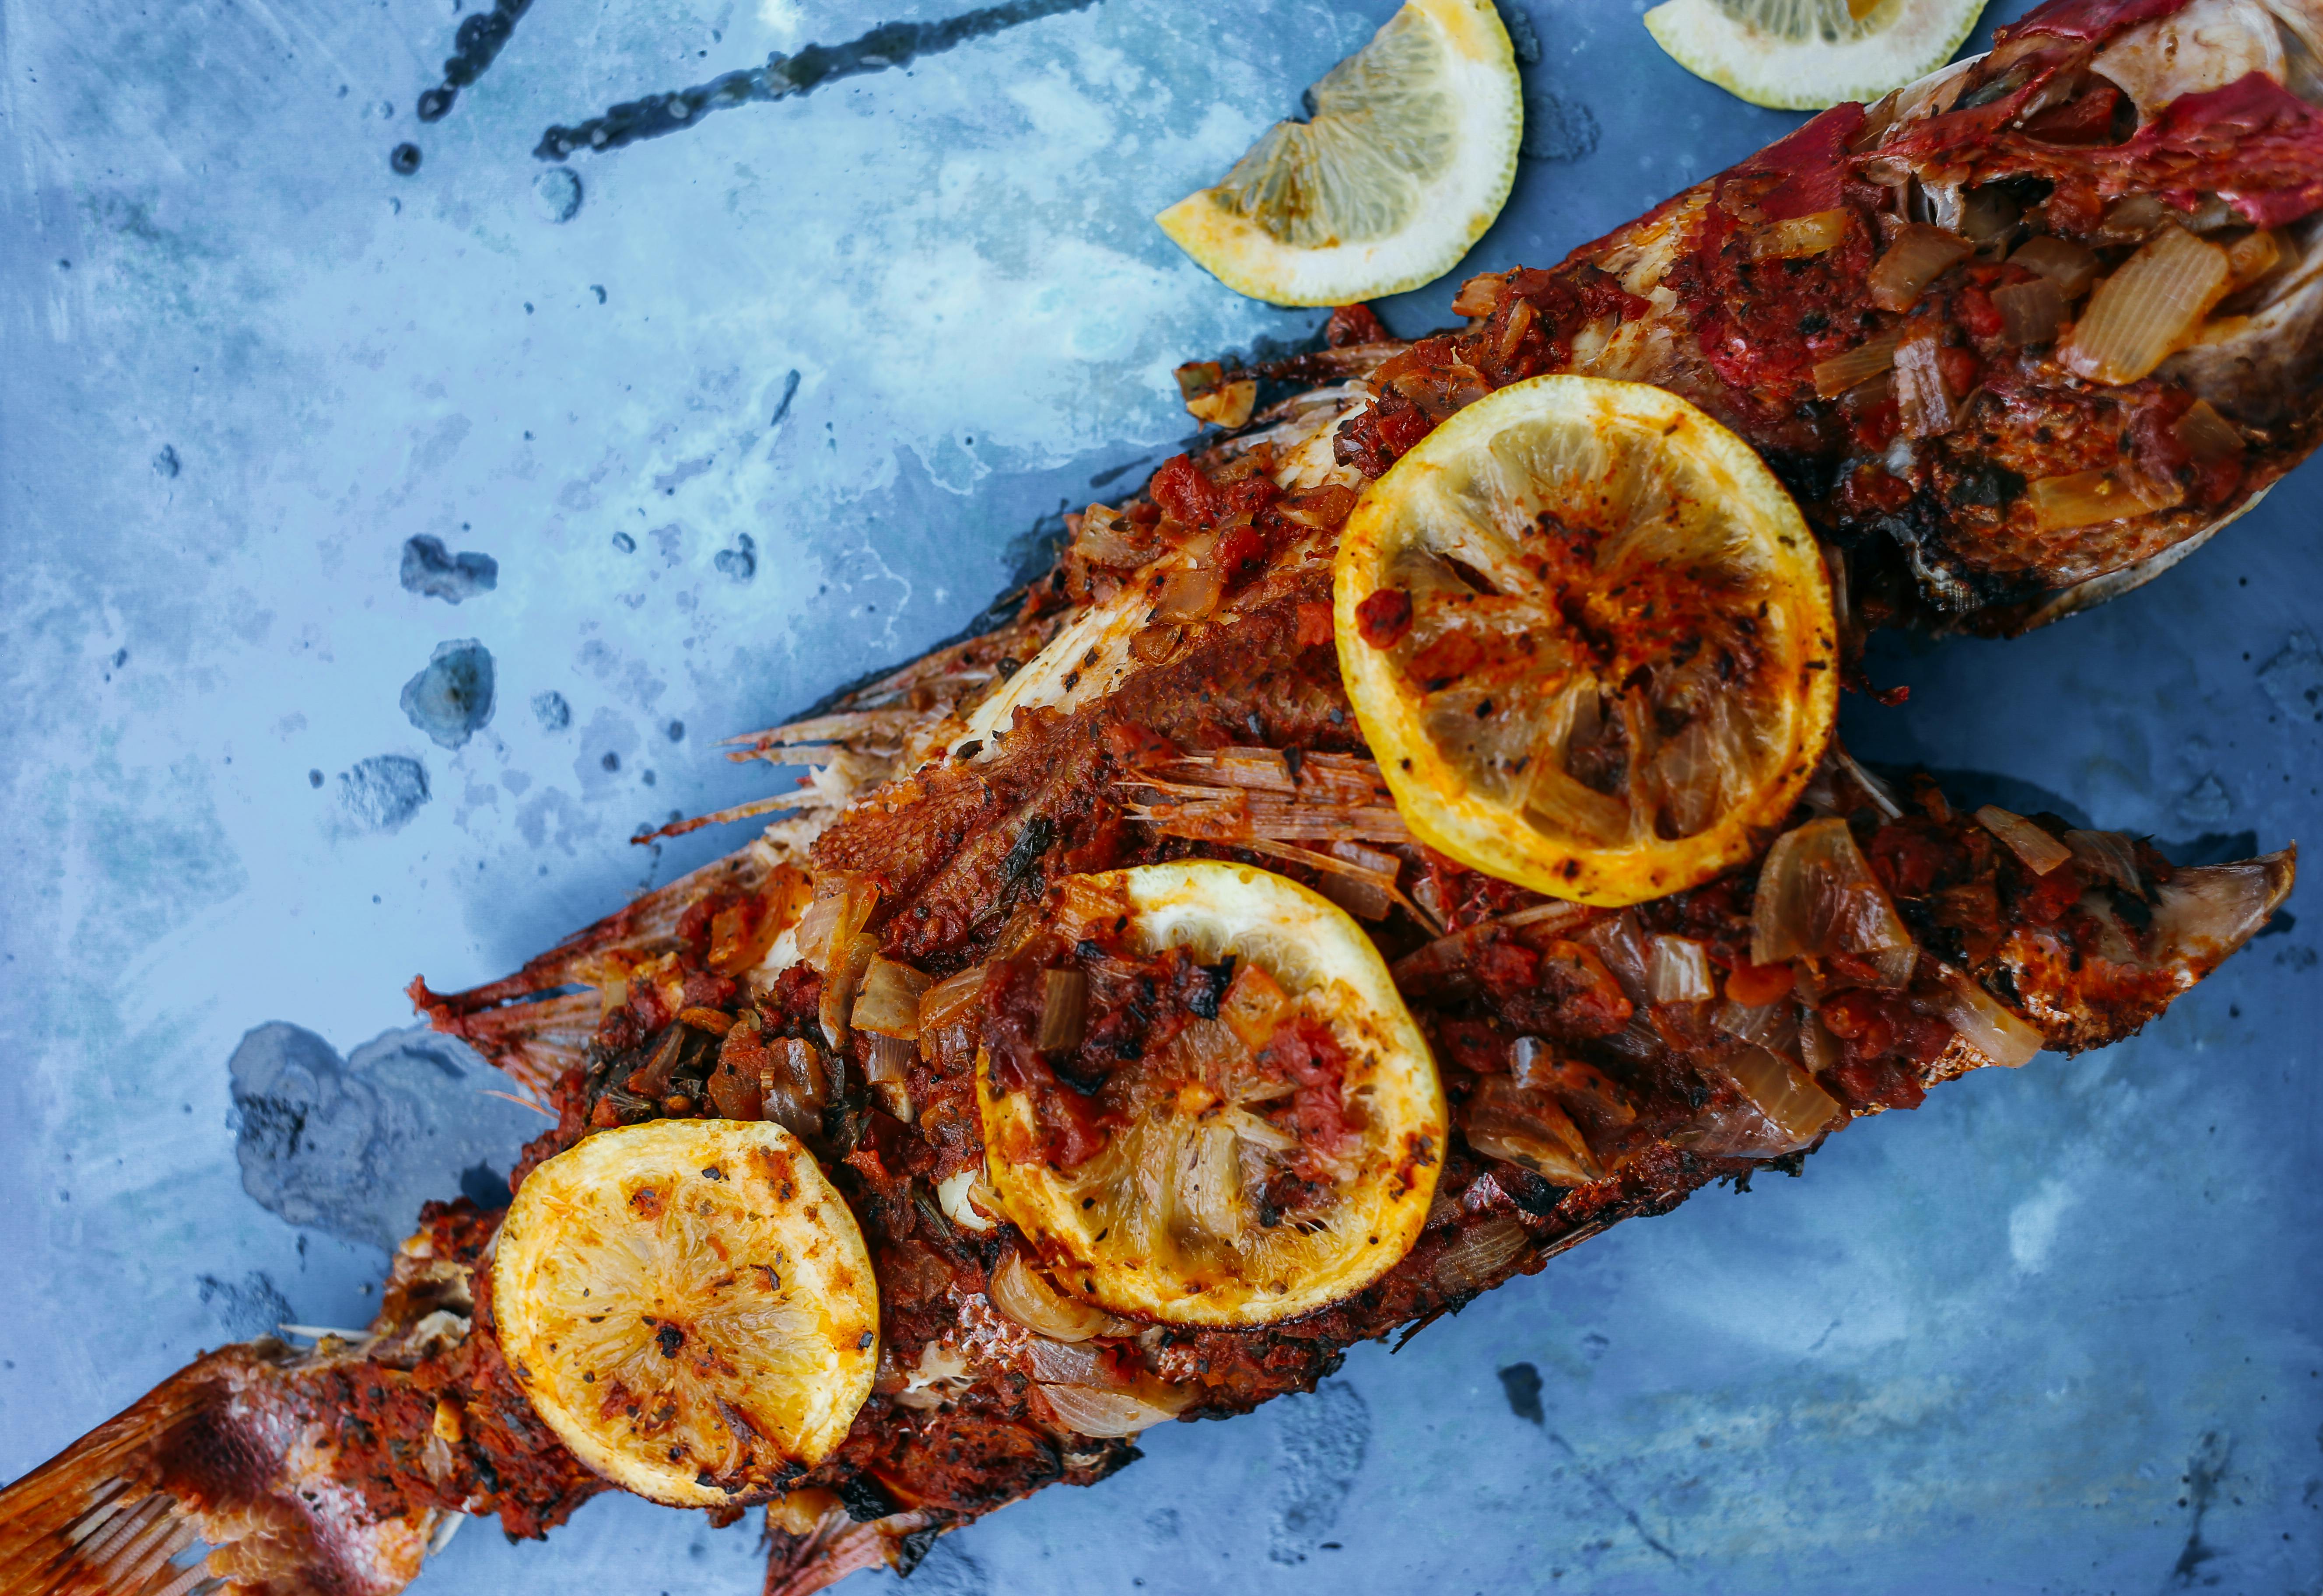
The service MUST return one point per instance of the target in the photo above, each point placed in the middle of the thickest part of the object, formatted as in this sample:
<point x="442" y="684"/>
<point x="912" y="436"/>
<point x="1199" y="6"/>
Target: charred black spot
<point x="866" y="1498"/>
<point x="1986" y="485"/>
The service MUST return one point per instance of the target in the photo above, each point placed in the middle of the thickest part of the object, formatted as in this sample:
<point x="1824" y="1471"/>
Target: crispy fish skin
<point x="1749" y="292"/>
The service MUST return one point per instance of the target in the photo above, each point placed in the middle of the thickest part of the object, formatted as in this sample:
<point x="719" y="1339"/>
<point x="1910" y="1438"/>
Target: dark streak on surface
<point x="1605" y="1492"/>
<point x="478" y="41"/>
<point x="2204" y="1471"/>
<point x="891" y="44"/>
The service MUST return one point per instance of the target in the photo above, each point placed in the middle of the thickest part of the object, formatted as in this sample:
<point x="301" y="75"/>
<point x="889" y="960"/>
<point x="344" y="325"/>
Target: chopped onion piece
<point x="1818" y="897"/>
<point x="1228" y="405"/>
<point x="1797" y="236"/>
<point x="1786" y="1094"/>
<point x="1988" y="216"/>
<point x="1985" y="1024"/>
<point x="1018" y="1290"/>
<point x="1923" y="401"/>
<point x="1504" y="1120"/>
<point x="1070" y="1362"/>
<point x="2040" y="852"/>
<point x="1190" y="593"/>
<point x="2148" y="309"/>
<point x="1107" y="537"/>
<point x="2107" y="856"/>
<point x="1620" y="943"/>
<point x="887" y="1060"/>
<point x="1476" y="1258"/>
<point x="1771" y="1025"/>
<point x="2252" y="256"/>
<point x="1918" y="255"/>
<point x="951" y="999"/>
<point x="889" y="1003"/>
<point x="1087" y="1411"/>
<point x="792" y="1086"/>
<point x="1817" y="1046"/>
<point x="843" y="981"/>
<point x="1679" y="971"/>
<point x="2087" y="498"/>
<point x="1064" y="1010"/>
<point x="2206" y="435"/>
<point x="2060" y="260"/>
<point x="2030" y="312"/>
<point x="1869" y="358"/>
<point x="953" y="1195"/>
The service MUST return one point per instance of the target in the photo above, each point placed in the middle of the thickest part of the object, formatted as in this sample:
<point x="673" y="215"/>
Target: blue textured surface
<point x="2056" y="1331"/>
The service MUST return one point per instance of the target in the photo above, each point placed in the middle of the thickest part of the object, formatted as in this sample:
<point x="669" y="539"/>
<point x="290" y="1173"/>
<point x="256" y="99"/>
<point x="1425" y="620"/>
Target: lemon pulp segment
<point x="1168" y="1221"/>
<point x="1409" y="157"/>
<point x="1589" y="640"/>
<point x="690" y="1307"/>
<point x="1804" y="55"/>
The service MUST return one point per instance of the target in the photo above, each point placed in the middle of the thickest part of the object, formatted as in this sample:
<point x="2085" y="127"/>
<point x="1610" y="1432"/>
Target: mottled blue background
<point x="2056" y="1331"/>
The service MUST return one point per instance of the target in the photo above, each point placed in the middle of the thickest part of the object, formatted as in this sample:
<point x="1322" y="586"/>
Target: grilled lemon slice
<point x="1589" y="640"/>
<point x="1409" y="157"/>
<point x="1181" y="1216"/>
<point x="1802" y="55"/>
<point x="689" y="1305"/>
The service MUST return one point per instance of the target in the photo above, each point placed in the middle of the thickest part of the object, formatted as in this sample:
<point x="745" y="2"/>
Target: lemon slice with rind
<point x="1589" y="640"/>
<point x="688" y="1304"/>
<point x="1174" y="1219"/>
<point x="1804" y="55"/>
<point x="1408" y="159"/>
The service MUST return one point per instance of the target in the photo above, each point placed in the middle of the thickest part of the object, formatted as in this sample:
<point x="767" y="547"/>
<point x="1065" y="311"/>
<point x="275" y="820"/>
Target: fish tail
<point x="193" y="1489"/>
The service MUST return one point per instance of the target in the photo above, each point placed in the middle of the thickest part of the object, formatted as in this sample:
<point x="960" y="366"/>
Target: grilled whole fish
<point x="1584" y="1093"/>
<point x="1171" y="689"/>
<point x="1889" y="304"/>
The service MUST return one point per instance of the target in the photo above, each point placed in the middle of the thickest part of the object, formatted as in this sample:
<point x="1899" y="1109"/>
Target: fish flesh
<point x="1170" y="690"/>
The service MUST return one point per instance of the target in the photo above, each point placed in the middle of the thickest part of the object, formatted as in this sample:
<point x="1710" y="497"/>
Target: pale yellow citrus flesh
<point x="1408" y="157"/>
<point x="689" y="1304"/>
<point x="1804" y="55"/>
<point x="1621" y="662"/>
<point x="1154" y="1225"/>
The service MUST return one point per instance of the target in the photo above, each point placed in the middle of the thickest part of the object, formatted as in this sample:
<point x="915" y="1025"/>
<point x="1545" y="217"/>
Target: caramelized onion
<point x="1771" y="1025"/>
<point x="1190" y="593"/>
<point x="1504" y="1120"/>
<point x="2209" y="911"/>
<point x="887" y="1060"/>
<point x="1480" y="1255"/>
<point x="792" y="1086"/>
<point x="1087" y="1411"/>
<point x="2030" y="312"/>
<point x="1777" y="1108"/>
<point x="1018" y="1290"/>
<point x="2148" y="309"/>
<point x="1070" y="1362"/>
<point x="953" y="1195"/>
<point x="1679" y="971"/>
<point x="2206" y="435"/>
<point x="1869" y="358"/>
<point x="1818" y="897"/>
<point x="1918" y="256"/>
<point x="888" y="1002"/>
<point x="2252" y="256"/>
<point x="1985" y="1024"/>
<point x="843" y="902"/>
<point x="2040" y="852"/>
<point x="1105" y="537"/>
<point x="2107" y="856"/>
<point x="2060" y="260"/>
<point x="841" y="981"/>
<point x="951" y="999"/>
<point x="1796" y="236"/>
<point x="1064" y="1010"/>
<point x="2087" y="498"/>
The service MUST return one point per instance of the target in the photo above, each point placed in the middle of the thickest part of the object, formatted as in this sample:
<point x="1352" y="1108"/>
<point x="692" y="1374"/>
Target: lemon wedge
<point x="1410" y="155"/>
<point x="1589" y="638"/>
<point x="688" y="1304"/>
<point x="1274" y="1155"/>
<point x="1804" y="55"/>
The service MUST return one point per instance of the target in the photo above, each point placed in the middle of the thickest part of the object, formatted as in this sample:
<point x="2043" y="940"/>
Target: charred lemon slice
<point x="1589" y="640"/>
<point x="689" y="1305"/>
<point x="1408" y="156"/>
<point x="1272" y="1148"/>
